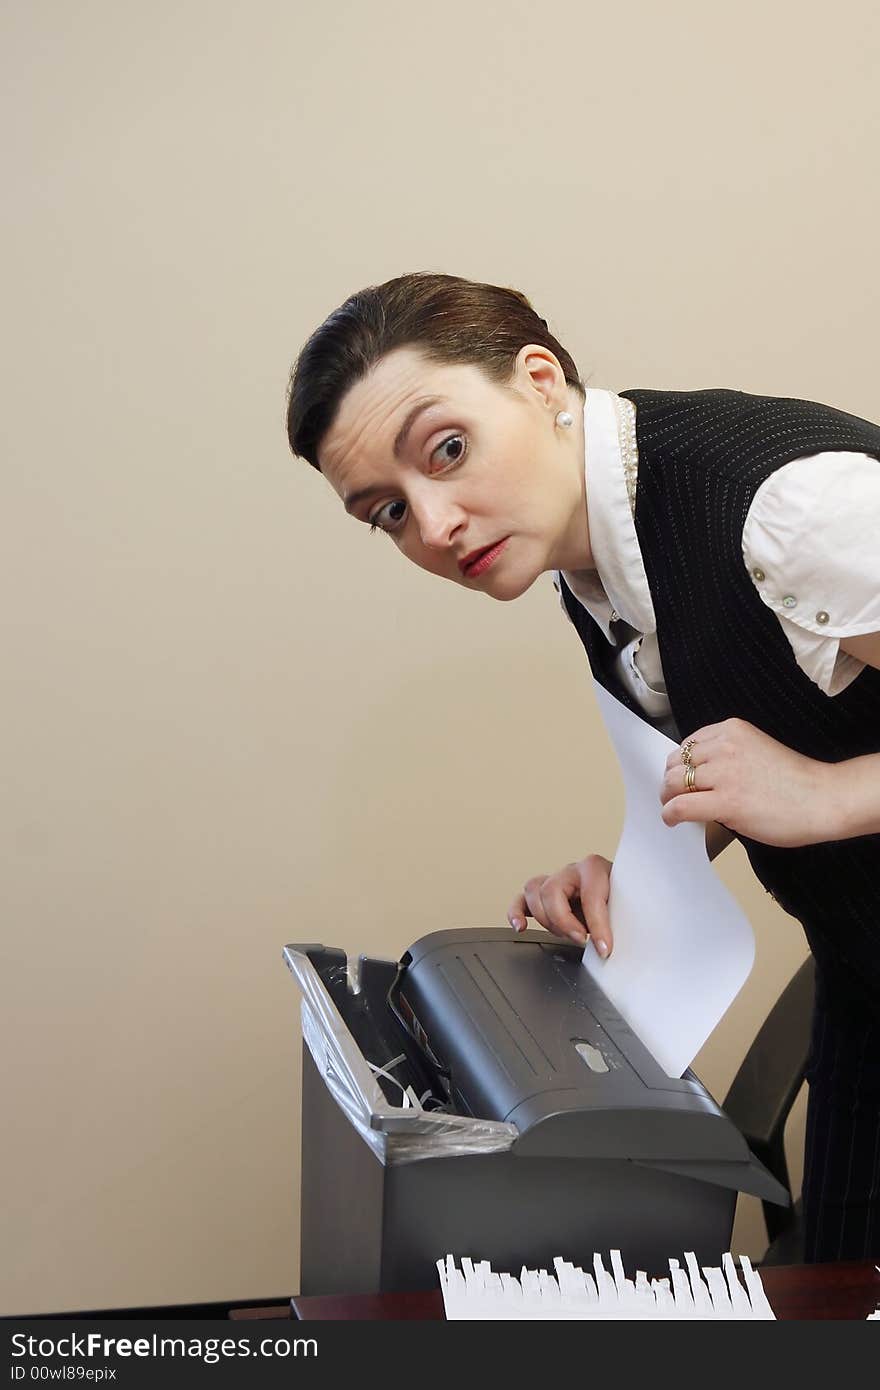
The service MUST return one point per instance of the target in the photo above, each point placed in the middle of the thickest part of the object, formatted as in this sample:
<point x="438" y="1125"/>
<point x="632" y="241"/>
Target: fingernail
<point x="579" y="938"/>
<point x="517" y="923"/>
<point x="602" y="947"/>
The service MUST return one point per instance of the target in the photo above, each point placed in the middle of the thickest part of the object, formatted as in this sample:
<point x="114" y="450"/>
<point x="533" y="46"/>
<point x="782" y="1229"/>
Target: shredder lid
<point x="530" y="1039"/>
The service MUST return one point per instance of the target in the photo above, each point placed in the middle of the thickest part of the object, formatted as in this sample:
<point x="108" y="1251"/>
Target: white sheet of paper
<point x="683" y="947"/>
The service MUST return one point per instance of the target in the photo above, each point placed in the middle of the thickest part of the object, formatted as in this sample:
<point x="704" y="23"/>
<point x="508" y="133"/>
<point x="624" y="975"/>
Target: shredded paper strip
<point x="476" y="1292"/>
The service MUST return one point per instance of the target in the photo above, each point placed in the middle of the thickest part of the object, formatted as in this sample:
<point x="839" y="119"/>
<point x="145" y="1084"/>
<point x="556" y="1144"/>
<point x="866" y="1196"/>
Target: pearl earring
<point x="564" y="420"/>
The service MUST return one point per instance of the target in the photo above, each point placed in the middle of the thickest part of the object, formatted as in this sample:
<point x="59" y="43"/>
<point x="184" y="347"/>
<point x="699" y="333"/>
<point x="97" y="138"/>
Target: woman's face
<point x="473" y="481"/>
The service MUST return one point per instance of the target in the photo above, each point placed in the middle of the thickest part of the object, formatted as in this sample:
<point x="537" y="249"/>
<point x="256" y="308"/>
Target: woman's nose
<point x="437" y="521"/>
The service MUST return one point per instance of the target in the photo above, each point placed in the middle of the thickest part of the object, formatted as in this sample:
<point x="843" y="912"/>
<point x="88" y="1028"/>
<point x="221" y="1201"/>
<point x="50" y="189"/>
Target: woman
<point x="717" y="553"/>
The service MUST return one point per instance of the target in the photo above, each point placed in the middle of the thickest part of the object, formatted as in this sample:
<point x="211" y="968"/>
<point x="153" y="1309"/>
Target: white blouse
<point x="811" y="545"/>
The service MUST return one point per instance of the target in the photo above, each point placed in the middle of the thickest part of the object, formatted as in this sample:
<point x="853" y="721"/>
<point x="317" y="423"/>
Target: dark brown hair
<point x="447" y="318"/>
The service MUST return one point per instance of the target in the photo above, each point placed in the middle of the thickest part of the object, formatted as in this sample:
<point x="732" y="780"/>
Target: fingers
<point x="569" y="903"/>
<point x="553" y="913"/>
<point x="704" y="799"/>
<point x="675" y="778"/>
<point x="553" y="906"/>
<point x="595" y="884"/>
<point x="693" y="806"/>
<point x="531" y="904"/>
<point x="517" y="913"/>
<point x="699" y="746"/>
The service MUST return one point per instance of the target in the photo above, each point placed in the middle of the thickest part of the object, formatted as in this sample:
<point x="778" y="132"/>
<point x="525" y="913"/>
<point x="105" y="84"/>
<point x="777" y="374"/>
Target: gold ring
<point x="686" y="752"/>
<point x="690" y="778"/>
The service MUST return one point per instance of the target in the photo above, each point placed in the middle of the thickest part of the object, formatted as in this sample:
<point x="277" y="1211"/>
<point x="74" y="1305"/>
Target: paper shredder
<point x="482" y="1097"/>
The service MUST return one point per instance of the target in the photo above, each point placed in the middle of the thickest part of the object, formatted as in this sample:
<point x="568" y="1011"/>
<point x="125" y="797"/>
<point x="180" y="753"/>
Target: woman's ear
<point x="537" y="370"/>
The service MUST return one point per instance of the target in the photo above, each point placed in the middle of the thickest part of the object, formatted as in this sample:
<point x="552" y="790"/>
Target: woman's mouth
<point x="479" y="560"/>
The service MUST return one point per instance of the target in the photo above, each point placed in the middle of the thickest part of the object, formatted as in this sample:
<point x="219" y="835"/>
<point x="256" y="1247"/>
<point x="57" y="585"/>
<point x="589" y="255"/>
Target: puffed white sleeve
<point x="811" y="545"/>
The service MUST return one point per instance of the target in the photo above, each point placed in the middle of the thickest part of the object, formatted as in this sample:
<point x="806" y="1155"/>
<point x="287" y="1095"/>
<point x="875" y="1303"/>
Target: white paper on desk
<point x="683" y="948"/>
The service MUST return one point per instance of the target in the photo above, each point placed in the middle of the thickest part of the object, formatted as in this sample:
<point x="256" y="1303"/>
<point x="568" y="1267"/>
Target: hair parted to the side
<point x="447" y="318"/>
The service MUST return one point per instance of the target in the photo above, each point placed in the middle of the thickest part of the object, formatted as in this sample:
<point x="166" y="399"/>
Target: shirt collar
<point x="619" y="583"/>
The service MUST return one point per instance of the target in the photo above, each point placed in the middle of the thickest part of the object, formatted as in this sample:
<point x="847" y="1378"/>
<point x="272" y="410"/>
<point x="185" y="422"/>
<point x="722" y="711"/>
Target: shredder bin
<point x="386" y="1191"/>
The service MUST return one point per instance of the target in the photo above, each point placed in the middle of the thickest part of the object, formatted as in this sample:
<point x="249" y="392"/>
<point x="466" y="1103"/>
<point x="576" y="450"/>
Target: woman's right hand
<point x="571" y="903"/>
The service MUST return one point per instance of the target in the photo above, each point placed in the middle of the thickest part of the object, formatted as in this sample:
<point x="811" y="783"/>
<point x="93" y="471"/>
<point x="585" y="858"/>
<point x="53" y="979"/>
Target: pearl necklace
<point x="626" y="437"/>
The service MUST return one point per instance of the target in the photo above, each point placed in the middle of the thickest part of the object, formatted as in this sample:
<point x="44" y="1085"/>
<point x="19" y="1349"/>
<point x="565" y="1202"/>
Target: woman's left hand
<point x="754" y="785"/>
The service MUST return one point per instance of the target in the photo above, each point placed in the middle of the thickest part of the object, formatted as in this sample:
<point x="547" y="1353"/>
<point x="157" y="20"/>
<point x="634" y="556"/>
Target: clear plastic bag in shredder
<point x="394" y="1133"/>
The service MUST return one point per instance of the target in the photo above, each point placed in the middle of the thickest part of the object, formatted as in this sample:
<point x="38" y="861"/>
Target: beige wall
<point x="231" y="718"/>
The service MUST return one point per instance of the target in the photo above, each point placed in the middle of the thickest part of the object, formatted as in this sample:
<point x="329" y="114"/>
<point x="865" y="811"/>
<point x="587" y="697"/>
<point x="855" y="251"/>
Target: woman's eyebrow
<point x="411" y="417"/>
<point x="362" y="494"/>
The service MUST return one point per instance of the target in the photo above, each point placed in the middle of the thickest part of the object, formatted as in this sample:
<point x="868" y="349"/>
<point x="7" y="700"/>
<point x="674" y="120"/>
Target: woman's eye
<point x="459" y="442"/>
<point x="387" y="518"/>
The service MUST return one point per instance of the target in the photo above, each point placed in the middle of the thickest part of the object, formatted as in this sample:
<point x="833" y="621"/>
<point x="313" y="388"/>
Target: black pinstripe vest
<point x="701" y="457"/>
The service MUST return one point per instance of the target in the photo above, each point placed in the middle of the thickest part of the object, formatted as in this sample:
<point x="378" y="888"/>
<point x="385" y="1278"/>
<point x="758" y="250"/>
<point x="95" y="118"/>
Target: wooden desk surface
<point x="796" y="1292"/>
